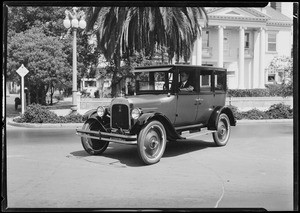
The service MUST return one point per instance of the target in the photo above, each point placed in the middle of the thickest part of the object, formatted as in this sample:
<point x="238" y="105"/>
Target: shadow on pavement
<point x="181" y="147"/>
<point x="127" y="155"/>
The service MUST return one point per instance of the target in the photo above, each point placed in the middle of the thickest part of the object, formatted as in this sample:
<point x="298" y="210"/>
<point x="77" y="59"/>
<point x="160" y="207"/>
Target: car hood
<point x="149" y="103"/>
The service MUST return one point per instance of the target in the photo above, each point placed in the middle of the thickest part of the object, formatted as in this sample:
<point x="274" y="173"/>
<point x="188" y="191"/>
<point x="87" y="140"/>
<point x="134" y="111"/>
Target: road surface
<point x="48" y="168"/>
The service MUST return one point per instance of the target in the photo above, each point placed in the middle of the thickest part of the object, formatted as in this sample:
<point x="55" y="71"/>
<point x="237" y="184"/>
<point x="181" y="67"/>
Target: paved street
<point x="48" y="168"/>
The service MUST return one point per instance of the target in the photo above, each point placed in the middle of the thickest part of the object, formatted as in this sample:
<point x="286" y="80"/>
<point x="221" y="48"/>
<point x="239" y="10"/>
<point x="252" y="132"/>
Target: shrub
<point x="254" y="114"/>
<point x="274" y="89"/>
<point x="96" y="94"/>
<point x="36" y="113"/>
<point x="277" y="111"/>
<point x="287" y="90"/>
<point x="248" y="92"/>
<point x="73" y="118"/>
<point x="59" y="97"/>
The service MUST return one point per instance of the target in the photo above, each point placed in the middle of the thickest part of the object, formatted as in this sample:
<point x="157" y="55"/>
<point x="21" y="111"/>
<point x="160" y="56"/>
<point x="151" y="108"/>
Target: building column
<point x="255" y="67"/>
<point x="194" y="53"/>
<point x="262" y="59"/>
<point x="199" y="51"/>
<point x="221" y="46"/>
<point x="241" y="58"/>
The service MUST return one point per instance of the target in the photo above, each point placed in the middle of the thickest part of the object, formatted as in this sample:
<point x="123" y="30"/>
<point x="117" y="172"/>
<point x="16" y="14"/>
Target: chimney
<point x="276" y="6"/>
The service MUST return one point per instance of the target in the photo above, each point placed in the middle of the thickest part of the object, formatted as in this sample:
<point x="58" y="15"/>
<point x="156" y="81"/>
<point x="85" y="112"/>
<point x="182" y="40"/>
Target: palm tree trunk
<point x="117" y="62"/>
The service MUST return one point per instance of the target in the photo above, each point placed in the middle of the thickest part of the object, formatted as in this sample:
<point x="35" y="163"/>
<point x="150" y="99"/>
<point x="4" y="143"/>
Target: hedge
<point x="36" y="113"/>
<point x="282" y="90"/>
<point x="275" y="111"/>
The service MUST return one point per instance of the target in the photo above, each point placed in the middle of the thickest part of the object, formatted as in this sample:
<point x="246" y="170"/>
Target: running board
<point x="204" y="131"/>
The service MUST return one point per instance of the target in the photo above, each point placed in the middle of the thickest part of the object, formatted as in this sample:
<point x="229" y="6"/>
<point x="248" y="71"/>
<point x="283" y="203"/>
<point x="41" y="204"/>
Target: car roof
<point x="170" y="66"/>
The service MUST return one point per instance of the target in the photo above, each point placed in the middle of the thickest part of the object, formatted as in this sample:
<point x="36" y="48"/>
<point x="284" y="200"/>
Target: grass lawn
<point x="10" y="105"/>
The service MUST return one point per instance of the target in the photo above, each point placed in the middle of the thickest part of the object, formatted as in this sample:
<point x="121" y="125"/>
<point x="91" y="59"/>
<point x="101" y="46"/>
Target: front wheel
<point x="152" y="142"/>
<point x="221" y="137"/>
<point x="91" y="145"/>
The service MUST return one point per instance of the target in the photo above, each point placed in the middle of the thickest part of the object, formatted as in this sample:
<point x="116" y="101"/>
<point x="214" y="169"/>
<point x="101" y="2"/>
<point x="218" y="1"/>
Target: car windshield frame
<point x="154" y="81"/>
<point x="157" y="82"/>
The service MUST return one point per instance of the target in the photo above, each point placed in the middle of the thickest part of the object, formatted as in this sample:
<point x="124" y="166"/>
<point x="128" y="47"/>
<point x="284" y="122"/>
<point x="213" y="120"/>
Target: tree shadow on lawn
<point x="11" y="112"/>
<point x="122" y="155"/>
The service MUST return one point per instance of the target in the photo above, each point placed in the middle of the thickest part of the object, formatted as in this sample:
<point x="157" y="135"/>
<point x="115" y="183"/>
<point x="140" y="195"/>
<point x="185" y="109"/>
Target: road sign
<point x="22" y="71"/>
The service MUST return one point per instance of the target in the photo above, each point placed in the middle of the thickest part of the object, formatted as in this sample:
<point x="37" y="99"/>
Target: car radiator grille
<point x="120" y="116"/>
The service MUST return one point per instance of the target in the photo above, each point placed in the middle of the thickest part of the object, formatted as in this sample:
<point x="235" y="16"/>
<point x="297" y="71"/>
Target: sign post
<point x="22" y="71"/>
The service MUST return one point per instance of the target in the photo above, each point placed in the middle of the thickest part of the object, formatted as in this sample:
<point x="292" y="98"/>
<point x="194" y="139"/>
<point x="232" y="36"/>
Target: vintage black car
<point x="159" y="111"/>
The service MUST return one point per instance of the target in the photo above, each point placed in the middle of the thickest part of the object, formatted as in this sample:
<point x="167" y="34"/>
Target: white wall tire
<point x="221" y="137"/>
<point x="152" y="142"/>
<point x="90" y="145"/>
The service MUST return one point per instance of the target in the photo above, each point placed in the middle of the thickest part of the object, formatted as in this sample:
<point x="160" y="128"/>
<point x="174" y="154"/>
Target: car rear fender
<point x="147" y="117"/>
<point x="213" y="120"/>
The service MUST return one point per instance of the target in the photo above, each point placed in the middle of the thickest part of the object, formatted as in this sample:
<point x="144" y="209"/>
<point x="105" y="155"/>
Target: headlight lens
<point x="100" y="111"/>
<point x="136" y="113"/>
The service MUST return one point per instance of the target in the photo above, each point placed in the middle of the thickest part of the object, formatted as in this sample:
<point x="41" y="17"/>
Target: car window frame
<point x="190" y="70"/>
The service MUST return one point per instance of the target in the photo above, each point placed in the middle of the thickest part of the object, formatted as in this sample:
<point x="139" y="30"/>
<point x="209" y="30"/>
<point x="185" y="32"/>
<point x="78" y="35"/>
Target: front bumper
<point x="106" y="136"/>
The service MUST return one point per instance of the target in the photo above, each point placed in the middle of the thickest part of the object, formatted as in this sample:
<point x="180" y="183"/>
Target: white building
<point x="244" y="40"/>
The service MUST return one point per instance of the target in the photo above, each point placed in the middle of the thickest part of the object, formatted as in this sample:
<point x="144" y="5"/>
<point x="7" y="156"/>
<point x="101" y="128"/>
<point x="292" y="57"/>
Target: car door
<point x="205" y="105"/>
<point x="219" y="87"/>
<point x="186" y="107"/>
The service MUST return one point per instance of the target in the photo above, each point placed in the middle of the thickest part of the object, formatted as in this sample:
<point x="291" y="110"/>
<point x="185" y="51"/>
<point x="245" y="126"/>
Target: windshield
<point x="157" y="82"/>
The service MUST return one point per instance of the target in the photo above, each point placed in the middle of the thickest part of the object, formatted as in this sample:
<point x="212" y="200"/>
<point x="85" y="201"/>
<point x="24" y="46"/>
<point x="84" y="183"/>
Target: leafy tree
<point x="124" y="30"/>
<point x="43" y="56"/>
<point x="21" y="19"/>
<point x="49" y="20"/>
<point x="284" y="64"/>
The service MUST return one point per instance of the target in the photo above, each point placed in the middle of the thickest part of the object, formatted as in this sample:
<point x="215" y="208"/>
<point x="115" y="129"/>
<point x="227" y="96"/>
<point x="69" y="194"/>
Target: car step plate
<point x="204" y="131"/>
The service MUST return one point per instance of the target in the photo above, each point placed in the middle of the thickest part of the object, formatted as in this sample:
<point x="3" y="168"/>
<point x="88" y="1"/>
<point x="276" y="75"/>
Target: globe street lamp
<point x="71" y="21"/>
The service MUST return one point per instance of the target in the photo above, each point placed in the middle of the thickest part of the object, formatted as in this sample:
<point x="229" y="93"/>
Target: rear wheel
<point x="91" y="145"/>
<point x="221" y="137"/>
<point x="152" y="142"/>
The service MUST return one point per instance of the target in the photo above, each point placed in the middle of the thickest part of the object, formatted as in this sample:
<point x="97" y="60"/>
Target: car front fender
<point x="147" y="117"/>
<point x="213" y="120"/>
<point x="88" y="114"/>
<point x="92" y="114"/>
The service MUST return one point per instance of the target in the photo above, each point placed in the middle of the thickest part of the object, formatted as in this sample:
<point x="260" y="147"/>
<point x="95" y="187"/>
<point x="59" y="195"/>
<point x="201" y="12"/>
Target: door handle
<point x="198" y="101"/>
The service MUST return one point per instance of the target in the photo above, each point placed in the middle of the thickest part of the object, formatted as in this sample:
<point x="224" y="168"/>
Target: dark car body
<point x="158" y="111"/>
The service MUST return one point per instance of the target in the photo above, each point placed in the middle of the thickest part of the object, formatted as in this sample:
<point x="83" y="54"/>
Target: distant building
<point x="245" y="40"/>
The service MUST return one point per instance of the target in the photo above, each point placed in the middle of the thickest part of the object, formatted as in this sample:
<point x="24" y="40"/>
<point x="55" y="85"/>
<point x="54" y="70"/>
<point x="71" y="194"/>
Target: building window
<point x="205" y="39"/>
<point x="272" y="42"/>
<point x="271" y="78"/>
<point x="247" y="40"/>
<point x="205" y="81"/>
<point x="230" y="72"/>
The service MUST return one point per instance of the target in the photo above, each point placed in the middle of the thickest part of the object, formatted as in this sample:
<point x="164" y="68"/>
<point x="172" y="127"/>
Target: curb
<point x="79" y="125"/>
<point x="265" y="121"/>
<point x="10" y="121"/>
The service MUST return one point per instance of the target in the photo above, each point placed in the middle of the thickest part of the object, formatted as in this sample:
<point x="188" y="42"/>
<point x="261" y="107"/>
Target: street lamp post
<point x="74" y="24"/>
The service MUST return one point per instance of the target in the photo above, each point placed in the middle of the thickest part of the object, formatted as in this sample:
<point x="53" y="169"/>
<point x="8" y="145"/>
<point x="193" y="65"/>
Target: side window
<point x="220" y="81"/>
<point x="205" y="81"/>
<point x="187" y="81"/>
<point x="272" y="42"/>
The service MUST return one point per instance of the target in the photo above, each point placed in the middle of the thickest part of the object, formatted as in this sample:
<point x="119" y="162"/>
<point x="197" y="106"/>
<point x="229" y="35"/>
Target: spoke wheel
<point x="91" y="145"/>
<point x="221" y="137"/>
<point x="152" y="142"/>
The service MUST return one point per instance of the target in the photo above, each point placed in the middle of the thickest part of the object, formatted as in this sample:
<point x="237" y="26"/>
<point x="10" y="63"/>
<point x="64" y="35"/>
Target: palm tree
<point x="125" y="30"/>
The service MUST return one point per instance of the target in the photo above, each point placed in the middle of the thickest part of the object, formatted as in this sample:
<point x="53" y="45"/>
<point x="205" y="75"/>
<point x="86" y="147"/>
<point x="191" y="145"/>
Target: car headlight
<point x="136" y="113"/>
<point x="100" y="111"/>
